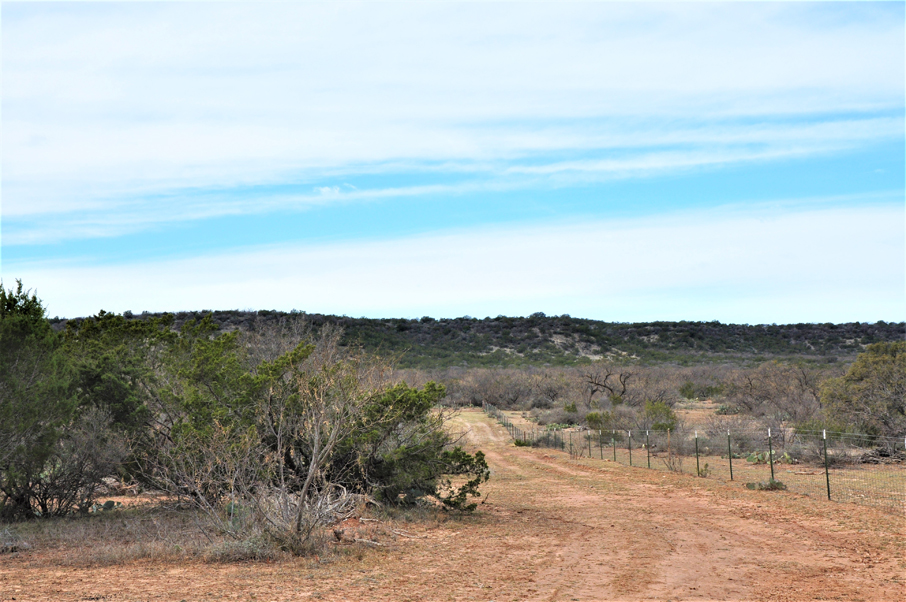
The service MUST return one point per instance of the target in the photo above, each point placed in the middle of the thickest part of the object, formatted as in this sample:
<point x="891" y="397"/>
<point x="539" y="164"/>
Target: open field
<point x="551" y="528"/>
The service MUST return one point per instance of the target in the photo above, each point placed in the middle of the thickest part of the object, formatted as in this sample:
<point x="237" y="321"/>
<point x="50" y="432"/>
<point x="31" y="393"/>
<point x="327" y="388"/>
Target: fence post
<point x="613" y="442"/>
<point x="648" y="448"/>
<point x="601" y="442"/>
<point x="669" y="459"/>
<point x="771" y="455"/>
<point x="570" y="443"/>
<point x="826" y="471"/>
<point x="730" y="454"/>
<point x="589" y="445"/>
<point x="698" y="470"/>
<point x="629" y="446"/>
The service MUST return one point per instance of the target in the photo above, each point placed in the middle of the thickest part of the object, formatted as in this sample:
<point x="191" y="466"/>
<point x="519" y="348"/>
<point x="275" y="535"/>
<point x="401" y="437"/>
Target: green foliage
<point x="758" y="457"/>
<point x="660" y="416"/>
<point x="114" y="360"/>
<point x="570" y="407"/>
<point x="36" y="402"/>
<point x="599" y="421"/>
<point x="474" y="467"/>
<point x="521" y="342"/>
<point x="316" y="418"/>
<point x="704" y="471"/>
<point x="53" y="452"/>
<point x="871" y="396"/>
<point x="399" y="451"/>
<point x="691" y="390"/>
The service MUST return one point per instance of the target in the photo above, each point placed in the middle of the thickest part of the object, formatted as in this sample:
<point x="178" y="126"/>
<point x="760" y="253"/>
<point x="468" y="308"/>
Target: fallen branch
<point x="368" y="541"/>
<point x="404" y="534"/>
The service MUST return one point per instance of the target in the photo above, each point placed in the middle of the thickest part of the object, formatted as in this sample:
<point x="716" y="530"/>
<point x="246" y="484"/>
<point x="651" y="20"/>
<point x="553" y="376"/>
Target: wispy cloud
<point x="733" y="265"/>
<point x="106" y="104"/>
<point x="519" y="164"/>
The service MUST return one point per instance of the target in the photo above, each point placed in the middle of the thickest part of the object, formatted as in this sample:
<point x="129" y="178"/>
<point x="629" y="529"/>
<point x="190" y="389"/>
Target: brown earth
<point x="550" y="528"/>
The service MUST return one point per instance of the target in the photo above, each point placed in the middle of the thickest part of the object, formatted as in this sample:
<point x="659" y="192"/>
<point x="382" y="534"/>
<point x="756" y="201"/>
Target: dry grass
<point x="155" y="530"/>
<point x="150" y="529"/>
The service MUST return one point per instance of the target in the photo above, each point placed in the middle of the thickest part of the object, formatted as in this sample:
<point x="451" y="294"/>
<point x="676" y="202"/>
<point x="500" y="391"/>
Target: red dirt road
<point x="551" y="529"/>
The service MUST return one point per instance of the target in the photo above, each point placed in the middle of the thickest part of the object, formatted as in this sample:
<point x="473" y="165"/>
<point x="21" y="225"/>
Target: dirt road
<point x="552" y="528"/>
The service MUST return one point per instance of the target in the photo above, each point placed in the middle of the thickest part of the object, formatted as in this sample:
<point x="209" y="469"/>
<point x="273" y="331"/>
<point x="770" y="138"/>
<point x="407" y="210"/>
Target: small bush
<point x="769" y="485"/>
<point x="660" y="416"/>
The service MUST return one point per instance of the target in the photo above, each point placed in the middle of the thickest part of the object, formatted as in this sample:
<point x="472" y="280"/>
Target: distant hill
<point x="564" y="340"/>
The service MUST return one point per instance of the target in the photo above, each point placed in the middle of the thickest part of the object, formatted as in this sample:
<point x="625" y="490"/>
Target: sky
<point x="623" y="162"/>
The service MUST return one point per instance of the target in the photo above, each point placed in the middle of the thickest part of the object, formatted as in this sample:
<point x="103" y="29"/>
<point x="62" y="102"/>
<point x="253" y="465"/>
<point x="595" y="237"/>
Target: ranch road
<point x="550" y="528"/>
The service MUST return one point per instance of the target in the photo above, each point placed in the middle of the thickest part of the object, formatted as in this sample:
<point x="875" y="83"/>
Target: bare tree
<point x="606" y="378"/>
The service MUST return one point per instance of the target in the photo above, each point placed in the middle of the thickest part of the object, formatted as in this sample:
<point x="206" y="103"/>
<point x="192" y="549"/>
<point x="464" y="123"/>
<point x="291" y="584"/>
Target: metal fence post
<point x="629" y="446"/>
<point x="771" y="455"/>
<point x="698" y="470"/>
<point x="601" y="442"/>
<point x="613" y="442"/>
<point x="570" y="443"/>
<point x="730" y="454"/>
<point x="669" y="459"/>
<point x="648" y="448"/>
<point x="589" y="445"/>
<point x="826" y="471"/>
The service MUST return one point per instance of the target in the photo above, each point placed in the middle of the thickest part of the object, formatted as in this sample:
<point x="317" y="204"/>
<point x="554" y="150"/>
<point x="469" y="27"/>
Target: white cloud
<point x="817" y="265"/>
<point x="103" y="103"/>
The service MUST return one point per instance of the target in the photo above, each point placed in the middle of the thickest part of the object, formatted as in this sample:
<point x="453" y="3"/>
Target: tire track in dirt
<point x="606" y="536"/>
<point x="550" y="528"/>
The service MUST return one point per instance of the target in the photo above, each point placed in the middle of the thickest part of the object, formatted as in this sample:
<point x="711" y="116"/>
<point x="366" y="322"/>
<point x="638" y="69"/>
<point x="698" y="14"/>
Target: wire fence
<point x="842" y="467"/>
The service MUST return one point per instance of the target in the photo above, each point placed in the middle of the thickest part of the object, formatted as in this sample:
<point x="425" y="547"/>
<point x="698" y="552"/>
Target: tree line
<point x="540" y="340"/>
<point x="271" y="432"/>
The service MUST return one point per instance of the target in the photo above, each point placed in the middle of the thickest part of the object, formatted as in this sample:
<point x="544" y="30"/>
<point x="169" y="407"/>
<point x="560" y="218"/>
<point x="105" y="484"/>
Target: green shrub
<point x="769" y="485"/>
<point x="660" y="416"/>
<point x="54" y="450"/>
<point x="599" y="421"/>
<point x="687" y="389"/>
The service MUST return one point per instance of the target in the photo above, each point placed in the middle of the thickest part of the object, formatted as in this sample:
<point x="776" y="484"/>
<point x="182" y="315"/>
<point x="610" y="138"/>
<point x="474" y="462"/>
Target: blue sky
<point x="625" y="162"/>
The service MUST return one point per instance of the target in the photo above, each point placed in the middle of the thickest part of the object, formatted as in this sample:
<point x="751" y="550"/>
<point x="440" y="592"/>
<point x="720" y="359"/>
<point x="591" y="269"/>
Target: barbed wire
<point x="839" y="466"/>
